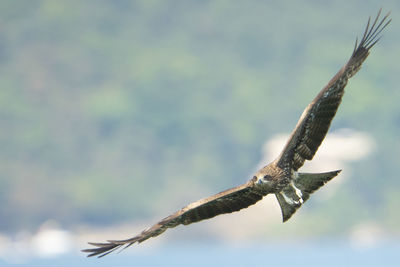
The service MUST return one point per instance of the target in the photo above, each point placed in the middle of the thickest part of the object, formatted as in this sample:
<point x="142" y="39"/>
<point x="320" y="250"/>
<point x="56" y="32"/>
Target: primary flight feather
<point x="281" y="177"/>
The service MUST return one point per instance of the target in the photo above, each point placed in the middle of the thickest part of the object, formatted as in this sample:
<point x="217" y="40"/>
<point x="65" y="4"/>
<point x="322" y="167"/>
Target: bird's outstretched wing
<point x="316" y="118"/>
<point x="224" y="202"/>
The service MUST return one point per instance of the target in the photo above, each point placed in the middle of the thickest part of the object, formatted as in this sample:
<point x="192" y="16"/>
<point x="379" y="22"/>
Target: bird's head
<point x="265" y="180"/>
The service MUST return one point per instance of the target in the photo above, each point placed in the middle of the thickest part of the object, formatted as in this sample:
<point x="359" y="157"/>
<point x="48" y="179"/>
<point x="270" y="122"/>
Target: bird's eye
<point x="267" y="177"/>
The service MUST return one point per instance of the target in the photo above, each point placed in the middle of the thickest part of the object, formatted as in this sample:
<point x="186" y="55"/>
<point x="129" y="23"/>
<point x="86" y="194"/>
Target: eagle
<point x="280" y="177"/>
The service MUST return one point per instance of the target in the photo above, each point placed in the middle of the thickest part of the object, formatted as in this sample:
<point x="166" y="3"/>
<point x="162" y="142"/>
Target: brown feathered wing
<point x="316" y="118"/>
<point x="226" y="201"/>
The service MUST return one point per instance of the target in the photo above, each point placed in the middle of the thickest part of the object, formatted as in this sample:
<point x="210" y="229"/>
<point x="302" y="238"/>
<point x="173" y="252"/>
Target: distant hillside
<point x="114" y="111"/>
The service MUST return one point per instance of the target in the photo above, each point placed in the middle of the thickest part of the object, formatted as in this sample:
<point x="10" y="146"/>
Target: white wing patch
<point x="298" y="192"/>
<point x="288" y="200"/>
<point x="292" y="195"/>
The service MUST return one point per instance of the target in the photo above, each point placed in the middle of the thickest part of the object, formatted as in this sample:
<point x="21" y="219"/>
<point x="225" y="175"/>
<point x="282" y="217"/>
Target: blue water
<point x="293" y="254"/>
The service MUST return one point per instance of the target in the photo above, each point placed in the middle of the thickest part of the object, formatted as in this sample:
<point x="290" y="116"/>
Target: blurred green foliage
<point x="118" y="110"/>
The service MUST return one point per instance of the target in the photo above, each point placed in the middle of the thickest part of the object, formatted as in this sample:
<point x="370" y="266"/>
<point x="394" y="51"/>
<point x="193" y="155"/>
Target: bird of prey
<point x="280" y="177"/>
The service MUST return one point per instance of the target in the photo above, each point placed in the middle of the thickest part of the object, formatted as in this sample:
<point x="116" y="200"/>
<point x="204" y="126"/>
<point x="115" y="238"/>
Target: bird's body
<point x="281" y="177"/>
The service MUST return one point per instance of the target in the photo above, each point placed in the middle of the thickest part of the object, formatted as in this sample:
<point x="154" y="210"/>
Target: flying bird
<point x="281" y="177"/>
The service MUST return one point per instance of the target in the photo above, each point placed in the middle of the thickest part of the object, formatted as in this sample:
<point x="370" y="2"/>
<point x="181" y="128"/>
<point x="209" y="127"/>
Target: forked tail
<point x="299" y="190"/>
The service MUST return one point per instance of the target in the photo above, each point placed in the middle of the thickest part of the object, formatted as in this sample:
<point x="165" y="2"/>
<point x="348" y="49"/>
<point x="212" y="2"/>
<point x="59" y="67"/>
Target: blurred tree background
<point x="114" y="111"/>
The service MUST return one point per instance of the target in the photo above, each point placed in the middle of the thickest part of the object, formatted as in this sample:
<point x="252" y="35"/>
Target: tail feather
<point x="299" y="190"/>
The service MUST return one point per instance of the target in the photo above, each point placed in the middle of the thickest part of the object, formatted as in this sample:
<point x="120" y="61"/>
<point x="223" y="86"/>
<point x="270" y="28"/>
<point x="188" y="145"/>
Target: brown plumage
<point x="280" y="177"/>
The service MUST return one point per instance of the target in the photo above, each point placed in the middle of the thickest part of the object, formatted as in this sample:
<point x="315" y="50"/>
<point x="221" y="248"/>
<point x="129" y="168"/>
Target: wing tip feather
<point x="103" y="249"/>
<point x="371" y="34"/>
